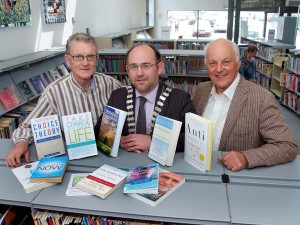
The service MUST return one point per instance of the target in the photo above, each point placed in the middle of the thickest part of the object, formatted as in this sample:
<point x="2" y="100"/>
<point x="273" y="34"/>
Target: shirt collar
<point x="229" y="91"/>
<point x="92" y="85"/>
<point x="150" y="96"/>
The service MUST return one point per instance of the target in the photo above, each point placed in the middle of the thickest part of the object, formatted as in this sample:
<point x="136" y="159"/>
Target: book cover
<point x="79" y="135"/>
<point x="25" y="90"/>
<point x="110" y="131"/>
<point x="63" y="70"/>
<point x="50" y="169"/>
<point x="10" y="97"/>
<point x="37" y="83"/>
<point x="47" y="136"/>
<point x="168" y="182"/>
<point x="142" y="179"/>
<point x="198" y="141"/>
<point x="103" y="181"/>
<point x="23" y="174"/>
<point x="55" y="74"/>
<point x="45" y="79"/>
<point x="164" y="140"/>
<point x="72" y="190"/>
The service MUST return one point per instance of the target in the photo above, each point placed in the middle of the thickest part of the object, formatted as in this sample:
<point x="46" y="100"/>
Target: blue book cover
<point x="50" y="169"/>
<point x="142" y="179"/>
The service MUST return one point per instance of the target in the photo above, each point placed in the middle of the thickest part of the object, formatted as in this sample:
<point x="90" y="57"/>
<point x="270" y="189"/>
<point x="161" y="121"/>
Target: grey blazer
<point x="253" y="125"/>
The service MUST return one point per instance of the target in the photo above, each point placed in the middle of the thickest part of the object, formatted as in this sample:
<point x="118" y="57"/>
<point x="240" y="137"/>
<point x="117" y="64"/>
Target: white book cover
<point x="55" y="73"/>
<point x="80" y="136"/>
<point x="198" y="141"/>
<point x="72" y="190"/>
<point x="47" y="136"/>
<point x="164" y="140"/>
<point x="23" y="174"/>
<point x="110" y="131"/>
<point x="103" y="181"/>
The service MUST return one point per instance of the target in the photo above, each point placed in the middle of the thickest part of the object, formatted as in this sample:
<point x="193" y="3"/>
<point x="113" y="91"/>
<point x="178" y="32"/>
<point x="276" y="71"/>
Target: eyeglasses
<point x="80" y="58"/>
<point x="213" y="64"/>
<point x="143" y="66"/>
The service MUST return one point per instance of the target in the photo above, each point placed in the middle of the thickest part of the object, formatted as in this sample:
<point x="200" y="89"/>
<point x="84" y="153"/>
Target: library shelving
<point x="124" y="39"/>
<point x="277" y="74"/>
<point x="291" y="88"/>
<point x="159" y="43"/>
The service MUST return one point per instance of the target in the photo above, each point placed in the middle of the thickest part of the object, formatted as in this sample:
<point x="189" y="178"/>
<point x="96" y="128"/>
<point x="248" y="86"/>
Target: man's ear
<point x="161" y="67"/>
<point x="66" y="57"/>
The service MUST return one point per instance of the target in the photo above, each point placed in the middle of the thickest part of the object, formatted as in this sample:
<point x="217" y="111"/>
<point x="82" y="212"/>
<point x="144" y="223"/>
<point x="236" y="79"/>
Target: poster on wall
<point x="14" y="13"/>
<point x="54" y="11"/>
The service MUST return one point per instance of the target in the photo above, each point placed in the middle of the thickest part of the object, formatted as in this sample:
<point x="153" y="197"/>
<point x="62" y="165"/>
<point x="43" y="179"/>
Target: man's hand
<point x="14" y="157"/>
<point x="234" y="161"/>
<point x="136" y="143"/>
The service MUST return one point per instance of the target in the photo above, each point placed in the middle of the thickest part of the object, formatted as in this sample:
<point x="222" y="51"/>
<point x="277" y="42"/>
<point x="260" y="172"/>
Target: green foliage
<point x="192" y="22"/>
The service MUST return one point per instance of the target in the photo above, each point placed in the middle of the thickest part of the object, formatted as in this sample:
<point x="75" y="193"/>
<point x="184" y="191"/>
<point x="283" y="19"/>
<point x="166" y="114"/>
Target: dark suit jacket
<point x="175" y="106"/>
<point x="253" y="125"/>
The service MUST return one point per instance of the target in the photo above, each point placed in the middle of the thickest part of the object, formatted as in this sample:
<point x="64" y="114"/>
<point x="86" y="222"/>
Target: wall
<point x="102" y="17"/>
<point x="163" y="6"/>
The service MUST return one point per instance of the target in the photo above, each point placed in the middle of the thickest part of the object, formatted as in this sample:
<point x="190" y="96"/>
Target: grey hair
<point x="80" y="37"/>
<point x="235" y="48"/>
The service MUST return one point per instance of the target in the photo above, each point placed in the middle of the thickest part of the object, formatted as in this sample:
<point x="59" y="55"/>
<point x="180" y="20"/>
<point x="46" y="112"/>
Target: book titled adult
<point x="23" y="174"/>
<point x="25" y="89"/>
<point x="37" y="83"/>
<point x="79" y="135"/>
<point x="110" y="131"/>
<point x="164" y="140"/>
<point x="198" y="141"/>
<point x="10" y="97"/>
<point x="168" y="182"/>
<point x="103" y="181"/>
<point x="50" y="169"/>
<point x="47" y="136"/>
<point x="72" y="190"/>
<point x="142" y="179"/>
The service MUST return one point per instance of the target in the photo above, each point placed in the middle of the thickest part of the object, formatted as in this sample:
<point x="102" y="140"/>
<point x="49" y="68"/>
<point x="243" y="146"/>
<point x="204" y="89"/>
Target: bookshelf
<point x="277" y="74"/>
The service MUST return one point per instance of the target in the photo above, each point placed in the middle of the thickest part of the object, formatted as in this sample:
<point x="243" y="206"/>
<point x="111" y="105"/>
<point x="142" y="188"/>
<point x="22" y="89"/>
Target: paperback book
<point x="110" y="131"/>
<point x="63" y="70"/>
<point x="10" y="97"/>
<point x="168" y="182"/>
<point x="45" y="79"/>
<point x="23" y="174"/>
<point x="47" y="136"/>
<point x="72" y="190"/>
<point x="55" y="74"/>
<point x="198" y="141"/>
<point x="103" y="181"/>
<point x="142" y="179"/>
<point x="25" y="90"/>
<point x="37" y="83"/>
<point x="50" y="169"/>
<point x="164" y="140"/>
<point x="79" y="135"/>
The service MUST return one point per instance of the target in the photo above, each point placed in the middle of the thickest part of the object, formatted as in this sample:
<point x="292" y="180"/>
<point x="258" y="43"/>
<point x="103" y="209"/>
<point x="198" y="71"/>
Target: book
<point x="23" y="174"/>
<point x="50" y="169"/>
<point x="55" y="74"/>
<point x="110" y="131"/>
<point x="168" y="182"/>
<point x="142" y="179"/>
<point x="63" y="70"/>
<point x="198" y="141"/>
<point x="164" y="140"/>
<point x="79" y="135"/>
<point x="10" y="97"/>
<point x="25" y="89"/>
<point x="103" y="181"/>
<point x="72" y="190"/>
<point x="45" y="79"/>
<point x="37" y="83"/>
<point x="47" y="136"/>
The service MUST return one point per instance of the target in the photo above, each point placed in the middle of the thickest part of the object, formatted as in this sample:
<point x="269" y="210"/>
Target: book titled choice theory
<point x="198" y="141"/>
<point x="47" y="136"/>
<point x="103" y="181"/>
<point x="80" y="136"/>
<point x="164" y="140"/>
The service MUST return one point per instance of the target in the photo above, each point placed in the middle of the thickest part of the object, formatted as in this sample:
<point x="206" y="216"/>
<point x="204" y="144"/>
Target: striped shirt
<point x="66" y="97"/>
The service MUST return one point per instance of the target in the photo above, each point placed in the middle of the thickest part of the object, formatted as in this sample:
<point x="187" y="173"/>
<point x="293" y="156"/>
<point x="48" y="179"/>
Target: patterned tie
<point x="141" y="117"/>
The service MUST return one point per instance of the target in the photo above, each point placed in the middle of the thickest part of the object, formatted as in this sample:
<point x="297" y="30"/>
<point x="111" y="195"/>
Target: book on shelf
<point x="37" y="83"/>
<point x="79" y="135"/>
<point x="25" y="90"/>
<point x="62" y="68"/>
<point x="8" y="216"/>
<point x="198" y="141"/>
<point x="103" y="181"/>
<point x="45" y="79"/>
<point x="110" y="132"/>
<point x="23" y="174"/>
<point x="142" y="179"/>
<point x="9" y="125"/>
<point x="47" y="136"/>
<point x="50" y="169"/>
<point x="55" y="74"/>
<point x="164" y="140"/>
<point x="10" y="97"/>
<point x="28" y="107"/>
<point x="72" y="190"/>
<point x="168" y="182"/>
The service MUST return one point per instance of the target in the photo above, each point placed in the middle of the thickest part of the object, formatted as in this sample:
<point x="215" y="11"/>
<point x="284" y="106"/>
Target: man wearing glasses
<point x="83" y="90"/>
<point x="145" y="98"/>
